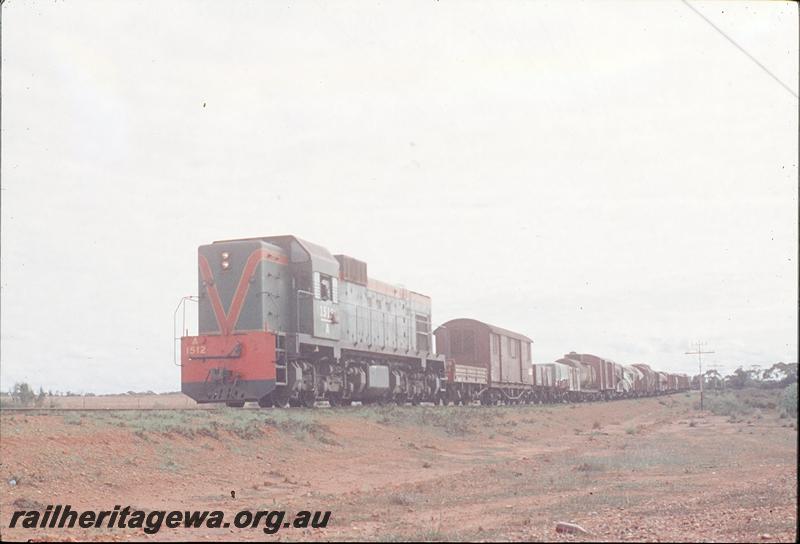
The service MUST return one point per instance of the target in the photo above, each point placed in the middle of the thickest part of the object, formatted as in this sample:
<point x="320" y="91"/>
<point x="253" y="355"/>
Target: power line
<point x="742" y="49"/>
<point x="699" y="352"/>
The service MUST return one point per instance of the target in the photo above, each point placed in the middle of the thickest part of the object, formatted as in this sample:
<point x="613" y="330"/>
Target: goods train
<point x="282" y="321"/>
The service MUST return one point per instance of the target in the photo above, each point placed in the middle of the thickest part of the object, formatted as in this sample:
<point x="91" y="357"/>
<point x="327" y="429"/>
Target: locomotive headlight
<point x="225" y="265"/>
<point x="225" y="255"/>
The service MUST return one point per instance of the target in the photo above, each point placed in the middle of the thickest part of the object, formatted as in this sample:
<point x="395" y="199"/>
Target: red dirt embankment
<point x="650" y="469"/>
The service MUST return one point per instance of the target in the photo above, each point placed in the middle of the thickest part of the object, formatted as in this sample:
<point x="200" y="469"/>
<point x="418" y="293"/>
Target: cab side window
<point x="324" y="287"/>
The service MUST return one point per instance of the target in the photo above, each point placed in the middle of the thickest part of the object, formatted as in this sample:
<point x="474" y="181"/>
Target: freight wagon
<point x="638" y="381"/>
<point x="663" y="383"/>
<point x="599" y="377"/>
<point x="650" y="379"/>
<point x="484" y="362"/>
<point x="556" y="382"/>
<point x="626" y="379"/>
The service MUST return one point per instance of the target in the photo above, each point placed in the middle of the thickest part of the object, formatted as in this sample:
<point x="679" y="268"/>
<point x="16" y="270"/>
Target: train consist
<point x="492" y="365"/>
<point x="282" y="322"/>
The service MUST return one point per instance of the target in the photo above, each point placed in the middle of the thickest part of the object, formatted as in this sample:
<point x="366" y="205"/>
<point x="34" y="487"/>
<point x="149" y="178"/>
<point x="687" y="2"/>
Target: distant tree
<point x="22" y="394"/>
<point x="739" y="379"/>
<point x="713" y="380"/>
<point x="781" y="373"/>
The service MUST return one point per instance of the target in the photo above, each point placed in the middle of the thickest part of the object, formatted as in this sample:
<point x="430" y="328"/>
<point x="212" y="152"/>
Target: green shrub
<point x="727" y="404"/>
<point x="590" y="467"/>
<point x="72" y="419"/>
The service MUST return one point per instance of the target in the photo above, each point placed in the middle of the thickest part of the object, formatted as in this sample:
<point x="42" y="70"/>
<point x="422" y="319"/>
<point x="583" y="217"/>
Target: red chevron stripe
<point x="227" y="321"/>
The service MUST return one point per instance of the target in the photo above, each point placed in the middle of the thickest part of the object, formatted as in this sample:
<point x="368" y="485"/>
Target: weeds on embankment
<point x="739" y="403"/>
<point x="244" y="424"/>
<point x="453" y="421"/>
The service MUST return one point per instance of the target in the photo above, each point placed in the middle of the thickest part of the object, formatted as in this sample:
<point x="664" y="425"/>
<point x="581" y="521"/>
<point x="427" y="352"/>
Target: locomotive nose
<point x="233" y="369"/>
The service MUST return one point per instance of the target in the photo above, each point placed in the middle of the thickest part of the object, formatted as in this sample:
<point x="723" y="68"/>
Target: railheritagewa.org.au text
<point x="64" y="517"/>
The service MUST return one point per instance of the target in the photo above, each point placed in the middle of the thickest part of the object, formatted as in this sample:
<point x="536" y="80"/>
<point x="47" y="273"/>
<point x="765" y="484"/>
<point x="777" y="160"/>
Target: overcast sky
<point x="606" y="177"/>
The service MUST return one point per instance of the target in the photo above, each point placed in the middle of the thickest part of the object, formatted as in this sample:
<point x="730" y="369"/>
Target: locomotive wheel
<point x="279" y="399"/>
<point x="265" y="401"/>
<point x="308" y="399"/>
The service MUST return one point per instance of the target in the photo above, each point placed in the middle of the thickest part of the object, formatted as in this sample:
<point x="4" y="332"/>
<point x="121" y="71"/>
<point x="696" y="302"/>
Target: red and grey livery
<point x="282" y="321"/>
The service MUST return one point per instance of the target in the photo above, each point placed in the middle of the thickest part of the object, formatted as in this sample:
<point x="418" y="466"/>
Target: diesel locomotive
<point x="284" y="322"/>
<point x="281" y="321"/>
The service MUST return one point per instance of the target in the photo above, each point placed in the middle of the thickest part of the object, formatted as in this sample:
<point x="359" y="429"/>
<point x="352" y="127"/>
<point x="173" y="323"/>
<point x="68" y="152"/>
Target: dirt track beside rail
<point x="648" y="469"/>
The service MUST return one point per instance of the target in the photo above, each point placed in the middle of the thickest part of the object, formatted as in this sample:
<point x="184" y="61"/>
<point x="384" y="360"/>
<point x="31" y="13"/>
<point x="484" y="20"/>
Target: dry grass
<point x="451" y="420"/>
<point x="243" y="424"/>
<point x="744" y="403"/>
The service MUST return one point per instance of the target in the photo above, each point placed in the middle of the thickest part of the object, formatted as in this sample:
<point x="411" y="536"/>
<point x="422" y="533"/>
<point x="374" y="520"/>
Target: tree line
<point x="777" y="376"/>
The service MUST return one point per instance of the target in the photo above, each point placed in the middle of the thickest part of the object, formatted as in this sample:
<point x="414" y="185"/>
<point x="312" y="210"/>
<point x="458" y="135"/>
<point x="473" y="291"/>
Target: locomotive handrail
<point x="181" y="306"/>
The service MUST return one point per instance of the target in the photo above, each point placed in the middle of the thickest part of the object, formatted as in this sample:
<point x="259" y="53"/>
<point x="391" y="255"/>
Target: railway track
<point x="208" y="408"/>
<point x="248" y="407"/>
<point x="124" y="409"/>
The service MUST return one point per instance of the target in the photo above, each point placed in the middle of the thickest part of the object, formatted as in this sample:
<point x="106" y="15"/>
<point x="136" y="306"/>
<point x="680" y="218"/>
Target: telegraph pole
<point x="699" y="345"/>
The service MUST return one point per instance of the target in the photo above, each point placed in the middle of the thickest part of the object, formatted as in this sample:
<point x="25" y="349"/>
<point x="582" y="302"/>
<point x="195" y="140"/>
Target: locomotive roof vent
<point x="352" y="270"/>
